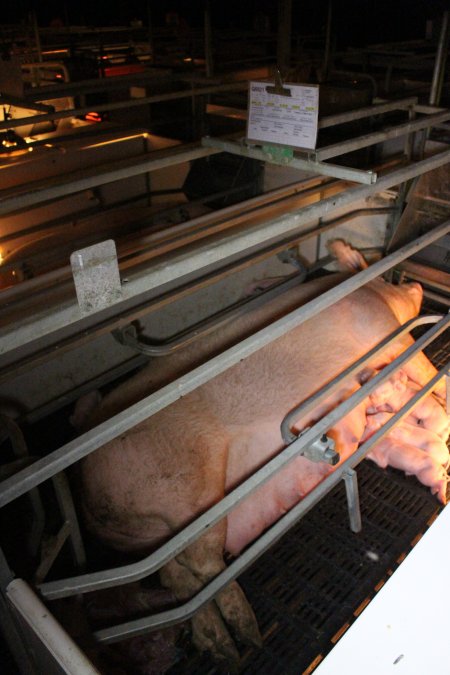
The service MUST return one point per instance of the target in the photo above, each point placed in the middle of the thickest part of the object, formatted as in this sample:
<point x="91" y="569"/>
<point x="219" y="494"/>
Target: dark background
<point x="355" y="22"/>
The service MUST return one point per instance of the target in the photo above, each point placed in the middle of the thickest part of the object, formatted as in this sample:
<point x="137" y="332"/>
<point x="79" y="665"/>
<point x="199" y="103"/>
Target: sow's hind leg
<point x="188" y="573"/>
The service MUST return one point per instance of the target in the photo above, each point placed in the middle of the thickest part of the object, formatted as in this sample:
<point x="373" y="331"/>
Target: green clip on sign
<point x="278" y="154"/>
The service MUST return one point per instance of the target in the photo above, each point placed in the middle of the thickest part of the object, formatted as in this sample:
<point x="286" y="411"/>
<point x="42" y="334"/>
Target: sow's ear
<point x="84" y="407"/>
<point x="415" y="291"/>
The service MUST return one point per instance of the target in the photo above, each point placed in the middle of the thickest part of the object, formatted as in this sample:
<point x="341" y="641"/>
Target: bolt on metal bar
<point x="312" y="165"/>
<point x="136" y="571"/>
<point x="27" y="335"/>
<point x="378" y="136"/>
<point x="85" y="444"/>
<point x="303" y="408"/>
<point x="265" y="541"/>
<point x="351" y="488"/>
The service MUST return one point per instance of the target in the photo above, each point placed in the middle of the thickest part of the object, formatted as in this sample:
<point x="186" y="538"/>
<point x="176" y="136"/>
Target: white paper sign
<point x="284" y="120"/>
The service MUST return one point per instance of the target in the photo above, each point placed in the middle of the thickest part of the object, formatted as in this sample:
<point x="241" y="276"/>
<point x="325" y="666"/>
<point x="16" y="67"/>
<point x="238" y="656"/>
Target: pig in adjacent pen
<point x="142" y="487"/>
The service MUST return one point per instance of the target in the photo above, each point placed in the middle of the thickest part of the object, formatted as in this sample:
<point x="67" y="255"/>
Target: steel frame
<point x="167" y="618"/>
<point x="50" y="466"/>
<point x="63" y="320"/>
<point x="306" y="163"/>
<point x="119" y="105"/>
<point x="60" y="459"/>
<point x="136" y="571"/>
<point x="346" y="472"/>
<point x="314" y="160"/>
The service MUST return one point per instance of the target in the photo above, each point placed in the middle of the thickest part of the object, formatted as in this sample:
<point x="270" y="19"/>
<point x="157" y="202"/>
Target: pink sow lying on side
<point x="150" y="482"/>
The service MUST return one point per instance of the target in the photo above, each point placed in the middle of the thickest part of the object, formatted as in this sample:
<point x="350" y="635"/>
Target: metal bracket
<point x="321" y="450"/>
<point x="127" y="336"/>
<point x="278" y="153"/>
<point x="291" y="257"/>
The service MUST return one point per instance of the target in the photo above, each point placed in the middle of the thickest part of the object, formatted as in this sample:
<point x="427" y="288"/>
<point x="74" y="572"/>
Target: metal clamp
<point x="291" y="257"/>
<point x="321" y="450"/>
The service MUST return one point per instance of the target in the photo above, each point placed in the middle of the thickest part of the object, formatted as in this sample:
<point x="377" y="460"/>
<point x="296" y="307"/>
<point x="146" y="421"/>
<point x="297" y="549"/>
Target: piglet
<point x="428" y="413"/>
<point x="413" y="461"/>
<point x="409" y="434"/>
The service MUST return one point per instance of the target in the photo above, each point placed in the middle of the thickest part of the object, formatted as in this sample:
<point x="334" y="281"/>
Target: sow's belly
<point x="269" y="502"/>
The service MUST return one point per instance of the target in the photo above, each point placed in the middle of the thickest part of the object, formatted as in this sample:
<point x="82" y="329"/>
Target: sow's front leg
<point x="188" y="573"/>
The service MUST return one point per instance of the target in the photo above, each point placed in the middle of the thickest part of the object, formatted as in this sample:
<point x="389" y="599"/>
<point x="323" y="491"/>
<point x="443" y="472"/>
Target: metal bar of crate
<point x="118" y="105"/>
<point x="34" y="194"/>
<point x="379" y="136"/>
<point x="303" y="163"/>
<point x="306" y="406"/>
<point x="25" y="336"/>
<point x="73" y="451"/>
<point x="257" y="548"/>
<point x="368" y="111"/>
<point x="153" y="562"/>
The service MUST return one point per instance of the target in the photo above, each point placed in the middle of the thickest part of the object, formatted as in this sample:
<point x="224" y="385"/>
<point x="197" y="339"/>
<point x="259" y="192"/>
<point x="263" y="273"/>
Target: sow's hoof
<point x="209" y="632"/>
<point x="238" y="614"/>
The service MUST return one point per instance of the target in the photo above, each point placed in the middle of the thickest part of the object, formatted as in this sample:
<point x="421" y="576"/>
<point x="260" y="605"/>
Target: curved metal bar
<point x="71" y="452"/>
<point x="257" y="548"/>
<point x="139" y="570"/>
<point x="286" y="433"/>
<point x="128" y="335"/>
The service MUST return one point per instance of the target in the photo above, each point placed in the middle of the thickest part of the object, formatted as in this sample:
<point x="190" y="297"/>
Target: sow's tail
<point x="349" y="259"/>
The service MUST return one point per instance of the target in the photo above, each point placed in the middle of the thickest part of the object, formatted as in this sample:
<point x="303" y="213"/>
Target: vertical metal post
<point x="351" y="488"/>
<point x="387" y="78"/>
<point x="67" y="508"/>
<point x="10" y="627"/>
<point x="151" y="43"/>
<point x="438" y="78"/>
<point x="284" y="35"/>
<point x="409" y="139"/>
<point x="208" y="40"/>
<point x="447" y="393"/>
<point x="37" y="39"/>
<point x="327" y="53"/>
<point x="440" y="62"/>
<point x="20" y="450"/>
